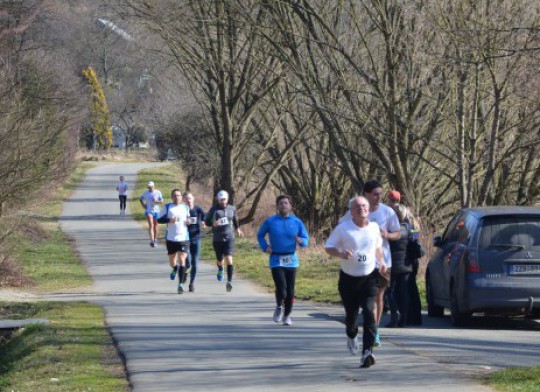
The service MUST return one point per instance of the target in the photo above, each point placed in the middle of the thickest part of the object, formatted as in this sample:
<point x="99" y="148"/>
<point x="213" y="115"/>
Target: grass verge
<point x="64" y="355"/>
<point x="516" y="380"/>
<point x="74" y="351"/>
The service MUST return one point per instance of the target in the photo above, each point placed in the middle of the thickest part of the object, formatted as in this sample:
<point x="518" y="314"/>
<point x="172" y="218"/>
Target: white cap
<point x="222" y="195"/>
<point x="150" y="183"/>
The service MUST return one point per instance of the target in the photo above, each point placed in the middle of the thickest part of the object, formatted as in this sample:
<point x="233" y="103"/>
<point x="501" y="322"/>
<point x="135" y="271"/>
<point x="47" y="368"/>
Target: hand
<point x="382" y="268"/>
<point x="203" y="225"/>
<point x="173" y="219"/>
<point x="346" y="254"/>
<point x="215" y="224"/>
<point x="240" y="233"/>
<point x="384" y="233"/>
<point x="268" y="250"/>
<point x="299" y="240"/>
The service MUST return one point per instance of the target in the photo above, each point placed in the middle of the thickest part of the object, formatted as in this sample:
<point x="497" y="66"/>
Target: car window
<point x="520" y="232"/>
<point x="451" y="233"/>
<point x="466" y="225"/>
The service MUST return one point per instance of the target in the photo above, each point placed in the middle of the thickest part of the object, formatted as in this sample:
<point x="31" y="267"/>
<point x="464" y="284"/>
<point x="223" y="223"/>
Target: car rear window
<point x="506" y="232"/>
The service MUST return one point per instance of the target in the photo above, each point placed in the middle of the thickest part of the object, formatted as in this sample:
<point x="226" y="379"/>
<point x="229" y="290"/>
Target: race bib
<point x="193" y="220"/>
<point x="361" y="258"/>
<point x="223" y="221"/>
<point x="285" y="261"/>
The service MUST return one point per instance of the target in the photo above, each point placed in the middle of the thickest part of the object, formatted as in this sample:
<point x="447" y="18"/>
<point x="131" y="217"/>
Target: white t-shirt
<point x="178" y="231"/>
<point x="149" y="198"/>
<point x="363" y="241"/>
<point x="387" y="219"/>
<point x="122" y="188"/>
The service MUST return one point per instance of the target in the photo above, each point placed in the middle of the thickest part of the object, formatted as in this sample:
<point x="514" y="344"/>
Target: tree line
<point x="436" y="99"/>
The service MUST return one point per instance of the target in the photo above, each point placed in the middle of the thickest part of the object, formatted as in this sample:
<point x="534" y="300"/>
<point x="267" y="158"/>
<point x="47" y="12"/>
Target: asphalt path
<point x="213" y="340"/>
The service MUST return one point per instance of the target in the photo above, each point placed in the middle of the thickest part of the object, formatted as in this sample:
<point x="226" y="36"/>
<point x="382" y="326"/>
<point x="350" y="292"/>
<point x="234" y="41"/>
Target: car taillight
<point x="471" y="262"/>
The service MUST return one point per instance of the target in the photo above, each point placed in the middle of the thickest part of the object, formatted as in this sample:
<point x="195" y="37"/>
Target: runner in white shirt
<point x="357" y="242"/>
<point x="151" y="200"/>
<point x="388" y="223"/>
<point x="176" y="215"/>
<point x="122" y="187"/>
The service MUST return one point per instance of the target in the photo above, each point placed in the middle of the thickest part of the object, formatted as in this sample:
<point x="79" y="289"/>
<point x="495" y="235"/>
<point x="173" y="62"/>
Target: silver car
<point x="488" y="260"/>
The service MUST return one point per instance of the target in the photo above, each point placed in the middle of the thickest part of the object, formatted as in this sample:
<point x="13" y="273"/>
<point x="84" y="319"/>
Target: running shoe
<point x="229" y="286"/>
<point x="220" y="275"/>
<point x="173" y="272"/>
<point x="287" y="320"/>
<point x="180" y="289"/>
<point x="155" y="243"/>
<point x="278" y="314"/>
<point x="191" y="288"/>
<point x="152" y="244"/>
<point x="367" y="360"/>
<point x="377" y="342"/>
<point x="352" y="344"/>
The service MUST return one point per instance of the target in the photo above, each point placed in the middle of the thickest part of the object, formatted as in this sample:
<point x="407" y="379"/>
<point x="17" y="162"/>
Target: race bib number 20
<point x="361" y="258"/>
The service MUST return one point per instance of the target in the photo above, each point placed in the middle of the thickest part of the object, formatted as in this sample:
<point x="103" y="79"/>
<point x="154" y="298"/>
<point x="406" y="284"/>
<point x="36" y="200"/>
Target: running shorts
<point x="175" y="247"/>
<point x="224" y="248"/>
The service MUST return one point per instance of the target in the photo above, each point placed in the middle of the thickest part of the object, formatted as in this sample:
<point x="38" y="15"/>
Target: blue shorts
<point x="155" y="215"/>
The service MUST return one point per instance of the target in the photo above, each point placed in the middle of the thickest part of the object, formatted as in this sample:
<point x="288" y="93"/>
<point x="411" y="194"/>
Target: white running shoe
<point x="278" y="314"/>
<point x="287" y="320"/>
<point x="352" y="344"/>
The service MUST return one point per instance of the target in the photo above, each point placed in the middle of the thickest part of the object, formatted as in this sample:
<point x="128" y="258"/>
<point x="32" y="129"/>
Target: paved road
<point x="212" y="340"/>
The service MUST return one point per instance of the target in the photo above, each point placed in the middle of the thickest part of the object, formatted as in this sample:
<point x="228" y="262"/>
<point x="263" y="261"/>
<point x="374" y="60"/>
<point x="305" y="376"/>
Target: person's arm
<point x="380" y="260"/>
<point x="302" y="238"/>
<point x="202" y="216"/>
<point x="236" y="224"/>
<point x="143" y="204"/>
<point x="164" y="218"/>
<point x="208" y="221"/>
<point x="393" y="236"/>
<point x="346" y="254"/>
<point x="261" y="237"/>
<point x="393" y="233"/>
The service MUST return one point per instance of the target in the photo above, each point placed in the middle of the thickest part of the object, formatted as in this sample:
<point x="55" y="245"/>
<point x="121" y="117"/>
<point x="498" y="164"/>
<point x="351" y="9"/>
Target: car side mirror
<point x="437" y="241"/>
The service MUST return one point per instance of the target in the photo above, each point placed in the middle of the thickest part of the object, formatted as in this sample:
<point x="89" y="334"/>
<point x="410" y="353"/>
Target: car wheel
<point x="457" y="317"/>
<point x="432" y="309"/>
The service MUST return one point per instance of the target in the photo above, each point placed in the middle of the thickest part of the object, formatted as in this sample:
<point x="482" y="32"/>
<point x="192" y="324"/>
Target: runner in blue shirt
<point x="285" y="232"/>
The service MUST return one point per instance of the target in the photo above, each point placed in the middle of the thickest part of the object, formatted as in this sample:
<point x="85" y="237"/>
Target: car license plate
<point x="521" y="269"/>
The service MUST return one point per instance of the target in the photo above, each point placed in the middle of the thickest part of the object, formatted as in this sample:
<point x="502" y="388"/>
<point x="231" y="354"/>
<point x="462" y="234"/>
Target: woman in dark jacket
<point x="402" y="267"/>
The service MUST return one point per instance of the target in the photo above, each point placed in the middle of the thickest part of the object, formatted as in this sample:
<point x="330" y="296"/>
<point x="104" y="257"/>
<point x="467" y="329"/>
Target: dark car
<point x="488" y="260"/>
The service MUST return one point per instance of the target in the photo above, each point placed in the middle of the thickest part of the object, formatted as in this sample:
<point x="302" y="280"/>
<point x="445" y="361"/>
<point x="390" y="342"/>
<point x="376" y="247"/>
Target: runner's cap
<point x="150" y="183"/>
<point x="222" y="195"/>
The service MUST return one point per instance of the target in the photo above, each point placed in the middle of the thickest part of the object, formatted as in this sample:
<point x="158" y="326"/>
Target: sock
<point x="175" y="268"/>
<point x="229" y="272"/>
<point x="181" y="273"/>
<point x="220" y="268"/>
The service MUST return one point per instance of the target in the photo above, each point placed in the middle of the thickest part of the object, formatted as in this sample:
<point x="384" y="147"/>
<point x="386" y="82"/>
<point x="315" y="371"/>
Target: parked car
<point x="488" y="260"/>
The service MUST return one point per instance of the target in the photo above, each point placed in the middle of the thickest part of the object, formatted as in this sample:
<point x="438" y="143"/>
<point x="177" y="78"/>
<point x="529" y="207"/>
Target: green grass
<point x="516" y="380"/>
<point x="44" y="252"/>
<point x="75" y="347"/>
<point x="72" y="348"/>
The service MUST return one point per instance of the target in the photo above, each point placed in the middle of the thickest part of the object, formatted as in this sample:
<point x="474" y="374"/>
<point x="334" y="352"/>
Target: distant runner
<point x="285" y="232"/>
<point x="151" y="200"/>
<point x="122" y="187"/>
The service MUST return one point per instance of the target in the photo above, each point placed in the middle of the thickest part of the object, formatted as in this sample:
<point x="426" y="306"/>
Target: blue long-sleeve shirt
<point x="282" y="233"/>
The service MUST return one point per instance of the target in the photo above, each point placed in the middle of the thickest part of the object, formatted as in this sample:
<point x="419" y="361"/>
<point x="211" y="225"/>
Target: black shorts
<point x="175" y="247"/>
<point x="224" y="248"/>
